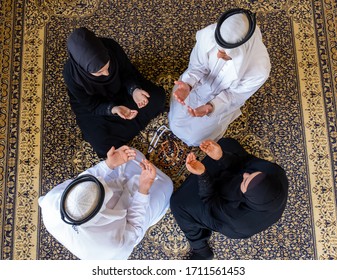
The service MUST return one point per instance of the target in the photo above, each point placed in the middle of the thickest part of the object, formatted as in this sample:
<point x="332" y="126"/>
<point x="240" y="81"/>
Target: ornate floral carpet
<point x="290" y="120"/>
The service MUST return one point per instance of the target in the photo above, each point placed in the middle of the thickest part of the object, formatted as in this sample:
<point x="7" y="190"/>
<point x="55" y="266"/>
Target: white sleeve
<point x="136" y="210"/>
<point x="136" y="214"/>
<point x="231" y="99"/>
<point x="197" y="67"/>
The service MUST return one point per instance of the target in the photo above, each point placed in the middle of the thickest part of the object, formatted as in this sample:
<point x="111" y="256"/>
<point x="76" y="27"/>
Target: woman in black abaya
<point x="112" y="101"/>
<point x="231" y="192"/>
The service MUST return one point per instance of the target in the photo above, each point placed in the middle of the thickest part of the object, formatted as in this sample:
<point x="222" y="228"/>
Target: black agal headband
<point x="80" y="179"/>
<point x="252" y="24"/>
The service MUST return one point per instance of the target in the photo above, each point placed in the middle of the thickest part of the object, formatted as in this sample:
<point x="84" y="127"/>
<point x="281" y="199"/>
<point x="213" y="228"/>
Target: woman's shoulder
<point x="112" y="45"/>
<point x="67" y="72"/>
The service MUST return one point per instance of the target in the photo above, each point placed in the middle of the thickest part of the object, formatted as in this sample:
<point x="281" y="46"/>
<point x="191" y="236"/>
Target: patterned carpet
<point x="290" y="120"/>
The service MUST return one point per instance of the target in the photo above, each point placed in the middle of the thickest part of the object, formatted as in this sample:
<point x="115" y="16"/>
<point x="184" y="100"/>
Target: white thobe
<point x="123" y="220"/>
<point x="226" y="84"/>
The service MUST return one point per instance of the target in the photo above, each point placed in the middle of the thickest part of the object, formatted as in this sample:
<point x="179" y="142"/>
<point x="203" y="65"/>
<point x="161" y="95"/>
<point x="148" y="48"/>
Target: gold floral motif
<point x="67" y="8"/>
<point x="291" y="120"/>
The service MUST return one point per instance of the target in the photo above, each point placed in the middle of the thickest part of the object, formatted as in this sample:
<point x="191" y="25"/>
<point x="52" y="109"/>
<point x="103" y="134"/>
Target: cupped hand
<point x="140" y="97"/>
<point x="211" y="148"/>
<point x="193" y="165"/>
<point x="181" y="92"/>
<point x="124" y="112"/>
<point x="200" y="111"/>
<point x="147" y="176"/>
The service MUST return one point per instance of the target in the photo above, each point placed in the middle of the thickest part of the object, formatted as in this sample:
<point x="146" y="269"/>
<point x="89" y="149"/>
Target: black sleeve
<point x="130" y="76"/>
<point x="205" y="185"/>
<point x="212" y="201"/>
<point x="206" y="191"/>
<point x="95" y="104"/>
<point x="229" y="160"/>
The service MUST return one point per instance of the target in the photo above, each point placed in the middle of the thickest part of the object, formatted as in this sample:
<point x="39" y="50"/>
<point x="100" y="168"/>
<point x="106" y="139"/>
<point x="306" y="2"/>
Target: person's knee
<point x="175" y="203"/>
<point x="157" y="100"/>
<point x="102" y="148"/>
<point x="223" y="141"/>
<point x="160" y="95"/>
<point x="166" y="190"/>
<point x="227" y="144"/>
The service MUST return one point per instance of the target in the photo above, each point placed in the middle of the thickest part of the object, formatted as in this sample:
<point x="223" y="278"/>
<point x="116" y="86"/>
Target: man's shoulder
<point x="207" y="32"/>
<point x="205" y="37"/>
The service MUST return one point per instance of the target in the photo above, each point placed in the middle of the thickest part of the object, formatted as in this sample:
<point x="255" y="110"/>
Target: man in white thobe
<point x="218" y="81"/>
<point x="136" y="196"/>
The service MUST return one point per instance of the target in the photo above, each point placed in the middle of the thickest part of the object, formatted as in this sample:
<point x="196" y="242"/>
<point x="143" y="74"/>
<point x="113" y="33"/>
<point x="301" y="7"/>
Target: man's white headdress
<point x="234" y="28"/>
<point x="81" y="200"/>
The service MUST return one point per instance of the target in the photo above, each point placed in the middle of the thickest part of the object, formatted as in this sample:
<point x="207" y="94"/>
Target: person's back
<point x="218" y="80"/>
<point x="122" y="219"/>
<point x="230" y="192"/>
<point x="111" y="100"/>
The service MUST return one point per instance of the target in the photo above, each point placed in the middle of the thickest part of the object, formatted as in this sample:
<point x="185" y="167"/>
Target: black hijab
<point x="263" y="195"/>
<point x="87" y="54"/>
<point x="240" y="215"/>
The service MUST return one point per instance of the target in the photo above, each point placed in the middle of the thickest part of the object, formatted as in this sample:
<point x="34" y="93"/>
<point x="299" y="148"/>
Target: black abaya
<point x="214" y="202"/>
<point x="92" y="98"/>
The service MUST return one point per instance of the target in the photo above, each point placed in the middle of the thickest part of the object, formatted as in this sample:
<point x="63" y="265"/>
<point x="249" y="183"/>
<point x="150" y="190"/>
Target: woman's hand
<point x="140" y="97"/>
<point x="124" y="112"/>
<point x="211" y="148"/>
<point x="193" y="165"/>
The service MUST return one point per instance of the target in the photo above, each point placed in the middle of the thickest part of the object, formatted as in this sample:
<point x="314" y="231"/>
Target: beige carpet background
<point x="290" y="120"/>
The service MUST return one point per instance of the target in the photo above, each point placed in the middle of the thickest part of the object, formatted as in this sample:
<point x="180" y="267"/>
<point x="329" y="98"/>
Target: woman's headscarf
<point x="87" y="54"/>
<point x="262" y="193"/>
<point x="244" y="214"/>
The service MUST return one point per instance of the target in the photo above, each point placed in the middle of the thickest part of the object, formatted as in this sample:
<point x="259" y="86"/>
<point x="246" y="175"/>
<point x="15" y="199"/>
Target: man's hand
<point x="223" y="55"/>
<point x="120" y="156"/>
<point x="124" y="112"/>
<point x="200" y="111"/>
<point x="211" y="148"/>
<point x="147" y="176"/>
<point x="140" y="97"/>
<point x="181" y="92"/>
<point x="193" y="165"/>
